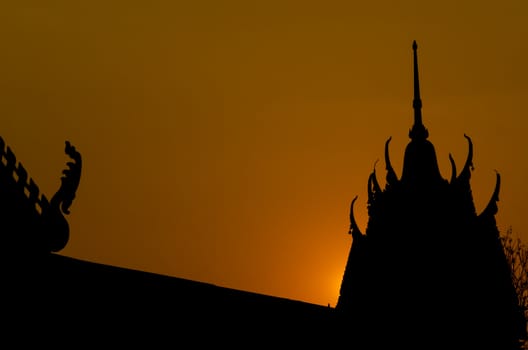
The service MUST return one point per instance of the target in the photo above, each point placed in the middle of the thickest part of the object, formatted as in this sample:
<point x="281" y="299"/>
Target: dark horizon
<point x="231" y="133"/>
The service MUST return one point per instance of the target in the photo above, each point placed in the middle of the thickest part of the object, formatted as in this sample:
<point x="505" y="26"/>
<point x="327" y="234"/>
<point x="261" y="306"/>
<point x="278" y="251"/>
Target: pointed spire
<point x="417" y="102"/>
<point x="418" y="130"/>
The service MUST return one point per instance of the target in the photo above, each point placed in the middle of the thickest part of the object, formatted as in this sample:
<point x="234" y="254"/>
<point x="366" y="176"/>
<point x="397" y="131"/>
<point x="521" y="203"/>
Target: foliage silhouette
<point x="517" y="255"/>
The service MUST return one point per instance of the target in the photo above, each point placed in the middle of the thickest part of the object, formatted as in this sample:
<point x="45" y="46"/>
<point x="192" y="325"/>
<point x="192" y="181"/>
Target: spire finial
<point x="418" y="130"/>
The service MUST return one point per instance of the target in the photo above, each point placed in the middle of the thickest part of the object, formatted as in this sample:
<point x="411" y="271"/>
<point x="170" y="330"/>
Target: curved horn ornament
<point x="391" y="175"/>
<point x="491" y="208"/>
<point x="375" y="183"/>
<point x="466" y="171"/>
<point x="373" y="186"/>
<point x="354" y="229"/>
<point x="453" y="168"/>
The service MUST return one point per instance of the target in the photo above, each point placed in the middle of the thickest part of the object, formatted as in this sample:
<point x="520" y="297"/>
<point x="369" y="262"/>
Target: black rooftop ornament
<point x="30" y="223"/>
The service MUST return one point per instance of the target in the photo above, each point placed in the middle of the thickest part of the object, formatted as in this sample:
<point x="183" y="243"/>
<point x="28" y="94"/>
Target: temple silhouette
<point x="428" y="272"/>
<point x="429" y="267"/>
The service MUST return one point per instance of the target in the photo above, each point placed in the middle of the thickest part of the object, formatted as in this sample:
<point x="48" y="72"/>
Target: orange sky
<point x="223" y="141"/>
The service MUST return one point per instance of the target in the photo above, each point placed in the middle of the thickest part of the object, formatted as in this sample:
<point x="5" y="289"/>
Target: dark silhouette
<point x="429" y="270"/>
<point x="47" y="296"/>
<point x="516" y="253"/>
<point x="31" y="224"/>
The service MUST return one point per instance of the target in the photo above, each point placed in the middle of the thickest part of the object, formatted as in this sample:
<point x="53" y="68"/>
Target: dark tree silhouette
<point x="516" y="252"/>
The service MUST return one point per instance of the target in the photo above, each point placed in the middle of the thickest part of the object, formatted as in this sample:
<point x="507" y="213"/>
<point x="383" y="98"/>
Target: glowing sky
<point x="223" y="141"/>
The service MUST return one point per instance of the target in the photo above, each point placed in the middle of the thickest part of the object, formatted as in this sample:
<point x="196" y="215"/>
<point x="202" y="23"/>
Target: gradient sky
<point x="223" y="141"/>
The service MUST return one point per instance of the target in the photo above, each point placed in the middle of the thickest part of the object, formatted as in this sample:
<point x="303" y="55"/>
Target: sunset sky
<point x="223" y="141"/>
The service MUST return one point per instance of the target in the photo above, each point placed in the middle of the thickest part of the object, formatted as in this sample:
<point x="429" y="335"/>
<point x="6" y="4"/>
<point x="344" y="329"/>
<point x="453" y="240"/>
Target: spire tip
<point x="418" y="130"/>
